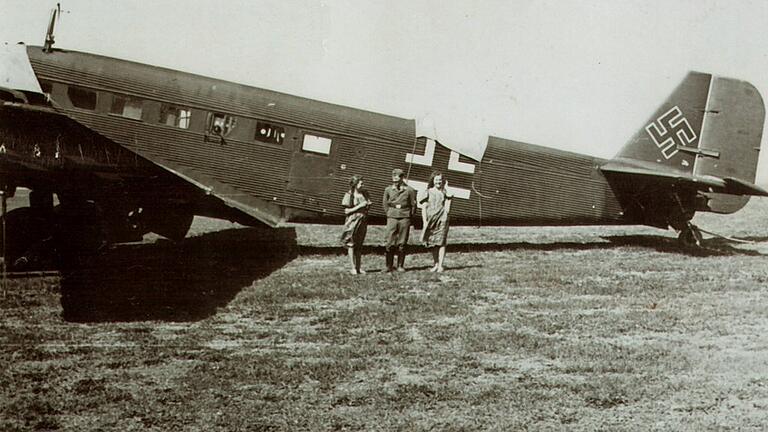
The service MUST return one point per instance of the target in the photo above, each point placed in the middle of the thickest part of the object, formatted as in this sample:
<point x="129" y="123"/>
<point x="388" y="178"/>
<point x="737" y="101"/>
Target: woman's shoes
<point x="437" y="269"/>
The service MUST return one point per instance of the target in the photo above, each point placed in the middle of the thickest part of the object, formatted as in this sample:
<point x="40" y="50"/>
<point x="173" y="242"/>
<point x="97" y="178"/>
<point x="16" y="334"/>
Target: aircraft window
<point x="126" y="106"/>
<point x="221" y="124"/>
<point x="316" y="144"/>
<point x="82" y="98"/>
<point x="175" y="116"/>
<point x="269" y="133"/>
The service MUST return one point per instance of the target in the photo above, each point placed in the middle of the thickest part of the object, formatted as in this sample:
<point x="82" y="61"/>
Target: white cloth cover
<point x="466" y="139"/>
<point x="15" y="71"/>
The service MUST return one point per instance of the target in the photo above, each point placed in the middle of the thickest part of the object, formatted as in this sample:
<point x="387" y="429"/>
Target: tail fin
<point x="709" y="126"/>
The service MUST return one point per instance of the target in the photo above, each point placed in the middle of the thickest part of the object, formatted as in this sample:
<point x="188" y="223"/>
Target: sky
<point x="581" y="76"/>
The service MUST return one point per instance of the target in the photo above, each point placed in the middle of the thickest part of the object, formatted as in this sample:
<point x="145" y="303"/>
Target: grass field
<point x="589" y="328"/>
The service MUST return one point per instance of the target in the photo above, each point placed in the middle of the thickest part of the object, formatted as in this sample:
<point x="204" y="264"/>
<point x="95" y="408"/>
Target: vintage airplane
<point x="129" y="148"/>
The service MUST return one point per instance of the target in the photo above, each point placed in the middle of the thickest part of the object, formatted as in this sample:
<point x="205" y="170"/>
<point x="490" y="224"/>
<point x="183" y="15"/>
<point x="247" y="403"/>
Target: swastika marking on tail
<point x="670" y="130"/>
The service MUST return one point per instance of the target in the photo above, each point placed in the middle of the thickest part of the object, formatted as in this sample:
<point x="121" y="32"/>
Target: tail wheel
<point x="690" y="236"/>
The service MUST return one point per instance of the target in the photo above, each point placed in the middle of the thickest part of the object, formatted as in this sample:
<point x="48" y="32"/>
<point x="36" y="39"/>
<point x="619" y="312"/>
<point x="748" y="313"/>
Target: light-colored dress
<point x="436" y="227"/>
<point x="356" y="224"/>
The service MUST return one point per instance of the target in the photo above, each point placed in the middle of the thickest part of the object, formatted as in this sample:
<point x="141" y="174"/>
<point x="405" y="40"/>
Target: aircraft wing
<point x="704" y="183"/>
<point x="257" y="208"/>
<point x="14" y="162"/>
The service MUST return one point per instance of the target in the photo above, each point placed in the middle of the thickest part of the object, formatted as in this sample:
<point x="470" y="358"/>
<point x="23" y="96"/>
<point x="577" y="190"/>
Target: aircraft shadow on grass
<point x="189" y="280"/>
<point x="461" y="248"/>
<point x="166" y="281"/>
<point x="659" y="243"/>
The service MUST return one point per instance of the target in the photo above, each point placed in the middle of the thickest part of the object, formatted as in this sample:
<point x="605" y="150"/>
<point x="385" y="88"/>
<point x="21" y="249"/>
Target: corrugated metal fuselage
<point x="280" y="180"/>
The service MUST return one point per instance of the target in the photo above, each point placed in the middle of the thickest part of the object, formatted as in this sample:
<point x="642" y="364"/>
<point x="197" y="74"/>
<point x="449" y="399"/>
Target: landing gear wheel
<point x="690" y="236"/>
<point x="81" y="230"/>
<point x="172" y="223"/>
<point x="27" y="230"/>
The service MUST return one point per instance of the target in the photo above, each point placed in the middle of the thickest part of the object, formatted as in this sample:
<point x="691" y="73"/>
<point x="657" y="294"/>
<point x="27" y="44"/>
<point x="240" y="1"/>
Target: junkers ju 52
<point x="130" y="148"/>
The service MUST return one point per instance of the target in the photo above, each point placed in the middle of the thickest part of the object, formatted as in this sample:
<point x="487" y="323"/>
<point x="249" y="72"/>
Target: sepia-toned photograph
<point x="337" y="215"/>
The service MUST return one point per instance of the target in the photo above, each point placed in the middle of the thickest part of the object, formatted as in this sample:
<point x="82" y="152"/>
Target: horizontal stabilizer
<point x="704" y="183"/>
<point x="743" y="188"/>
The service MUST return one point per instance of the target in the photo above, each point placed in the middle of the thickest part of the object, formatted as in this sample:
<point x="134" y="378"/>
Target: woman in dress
<point x="356" y="205"/>
<point x="435" y="205"/>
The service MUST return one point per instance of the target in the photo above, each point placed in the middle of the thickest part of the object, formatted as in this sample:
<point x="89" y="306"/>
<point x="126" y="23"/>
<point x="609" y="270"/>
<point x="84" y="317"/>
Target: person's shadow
<point x="169" y="281"/>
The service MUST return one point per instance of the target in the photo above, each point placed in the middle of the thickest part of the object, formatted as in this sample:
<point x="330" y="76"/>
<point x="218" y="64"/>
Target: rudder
<point x="732" y="131"/>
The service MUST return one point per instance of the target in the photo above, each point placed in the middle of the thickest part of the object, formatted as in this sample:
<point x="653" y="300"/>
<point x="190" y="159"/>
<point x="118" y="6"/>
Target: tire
<point x="27" y="231"/>
<point x="80" y="228"/>
<point x="174" y="224"/>
<point x="690" y="237"/>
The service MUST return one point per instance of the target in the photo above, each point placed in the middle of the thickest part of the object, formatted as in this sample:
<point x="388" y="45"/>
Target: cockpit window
<point x="172" y="115"/>
<point x="126" y="106"/>
<point x="82" y="98"/>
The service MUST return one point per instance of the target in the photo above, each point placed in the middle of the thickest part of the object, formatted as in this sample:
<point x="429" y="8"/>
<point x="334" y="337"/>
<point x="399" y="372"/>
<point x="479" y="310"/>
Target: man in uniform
<point x="399" y="203"/>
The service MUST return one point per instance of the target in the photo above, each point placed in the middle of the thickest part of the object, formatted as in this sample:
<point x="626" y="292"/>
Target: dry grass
<point x="530" y="329"/>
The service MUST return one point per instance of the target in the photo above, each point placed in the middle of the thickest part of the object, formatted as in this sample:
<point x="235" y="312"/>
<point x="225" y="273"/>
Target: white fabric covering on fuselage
<point x="15" y="71"/>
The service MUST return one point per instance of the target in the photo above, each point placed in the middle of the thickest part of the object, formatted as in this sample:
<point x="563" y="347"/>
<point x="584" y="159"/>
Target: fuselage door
<point x="313" y="163"/>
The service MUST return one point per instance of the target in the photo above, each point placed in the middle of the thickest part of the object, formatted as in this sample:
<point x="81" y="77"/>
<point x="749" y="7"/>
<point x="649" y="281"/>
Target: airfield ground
<point x="585" y="329"/>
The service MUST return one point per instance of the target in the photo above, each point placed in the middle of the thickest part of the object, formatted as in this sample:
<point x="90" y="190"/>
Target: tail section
<point x="709" y="126"/>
